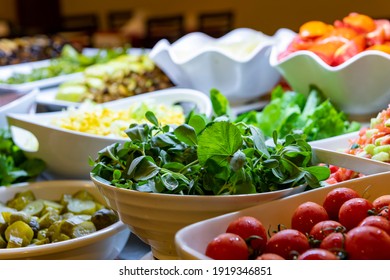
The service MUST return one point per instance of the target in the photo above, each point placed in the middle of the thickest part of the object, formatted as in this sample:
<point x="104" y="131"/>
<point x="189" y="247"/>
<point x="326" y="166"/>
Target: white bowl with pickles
<point x="58" y="220"/>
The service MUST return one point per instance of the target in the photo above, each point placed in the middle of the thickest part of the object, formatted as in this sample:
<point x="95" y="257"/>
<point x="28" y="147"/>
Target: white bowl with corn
<point x="66" y="140"/>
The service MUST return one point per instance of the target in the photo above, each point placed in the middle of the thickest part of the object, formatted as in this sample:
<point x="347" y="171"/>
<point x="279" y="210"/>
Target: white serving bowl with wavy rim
<point x="104" y="244"/>
<point x="360" y="86"/>
<point x="237" y="63"/>
<point x="191" y="241"/>
<point x="66" y="152"/>
<point x="23" y="104"/>
<point x="155" y="218"/>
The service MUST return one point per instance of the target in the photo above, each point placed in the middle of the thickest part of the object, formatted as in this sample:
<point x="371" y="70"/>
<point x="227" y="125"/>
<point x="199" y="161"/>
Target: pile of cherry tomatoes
<point x="337" y="43"/>
<point x="345" y="226"/>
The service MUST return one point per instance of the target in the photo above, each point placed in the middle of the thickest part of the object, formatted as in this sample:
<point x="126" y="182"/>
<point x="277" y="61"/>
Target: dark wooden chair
<point x="117" y="19"/>
<point x="80" y="26"/>
<point x="157" y="28"/>
<point x="87" y="23"/>
<point x="216" y="24"/>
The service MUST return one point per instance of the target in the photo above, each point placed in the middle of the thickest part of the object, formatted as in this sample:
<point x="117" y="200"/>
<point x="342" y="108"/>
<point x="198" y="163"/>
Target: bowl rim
<point x="98" y="180"/>
<point x="266" y="41"/>
<point x="66" y="245"/>
<point x="317" y="60"/>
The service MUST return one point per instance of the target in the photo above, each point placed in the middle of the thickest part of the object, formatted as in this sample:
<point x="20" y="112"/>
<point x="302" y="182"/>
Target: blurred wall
<point x="266" y="16"/>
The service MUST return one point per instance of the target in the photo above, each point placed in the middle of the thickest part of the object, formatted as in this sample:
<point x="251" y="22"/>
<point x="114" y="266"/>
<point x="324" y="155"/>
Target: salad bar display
<point x="216" y="169"/>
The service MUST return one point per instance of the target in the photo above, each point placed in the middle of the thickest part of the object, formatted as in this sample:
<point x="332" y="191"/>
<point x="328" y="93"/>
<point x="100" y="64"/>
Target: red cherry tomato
<point x="287" y="243"/>
<point x="384" y="213"/>
<point x="250" y="227"/>
<point x="269" y="256"/>
<point x="317" y="254"/>
<point x="324" y="228"/>
<point x="227" y="246"/>
<point x="377" y="221"/>
<point x="306" y="215"/>
<point x="335" y="198"/>
<point x="353" y="211"/>
<point x="334" y="242"/>
<point x="367" y="243"/>
<point x="382" y="201"/>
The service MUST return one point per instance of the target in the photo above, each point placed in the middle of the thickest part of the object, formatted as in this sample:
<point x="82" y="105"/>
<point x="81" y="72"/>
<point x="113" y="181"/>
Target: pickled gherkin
<point x="27" y="221"/>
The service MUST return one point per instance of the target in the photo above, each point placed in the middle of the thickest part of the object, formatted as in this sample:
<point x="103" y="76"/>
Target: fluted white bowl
<point x="237" y="63"/>
<point x="360" y="86"/>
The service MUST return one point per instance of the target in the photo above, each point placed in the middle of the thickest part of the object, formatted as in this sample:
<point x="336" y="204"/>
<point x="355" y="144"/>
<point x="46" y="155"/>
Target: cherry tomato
<point x="227" y="246"/>
<point x="353" y="211"/>
<point x="334" y="242"/>
<point x="384" y="213"/>
<point x="269" y="256"/>
<point x="250" y="227"/>
<point x="367" y="243"/>
<point x="377" y="221"/>
<point x="306" y="215"/>
<point x="287" y="243"/>
<point x="322" y="229"/>
<point x="382" y="201"/>
<point x="335" y="198"/>
<point x="317" y="254"/>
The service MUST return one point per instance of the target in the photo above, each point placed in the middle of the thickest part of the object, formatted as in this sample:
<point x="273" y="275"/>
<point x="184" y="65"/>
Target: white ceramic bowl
<point x="237" y="63"/>
<point x="66" y="152"/>
<point x="24" y="104"/>
<point x="191" y="241"/>
<point x="156" y="218"/>
<point x="360" y="86"/>
<point x="103" y="244"/>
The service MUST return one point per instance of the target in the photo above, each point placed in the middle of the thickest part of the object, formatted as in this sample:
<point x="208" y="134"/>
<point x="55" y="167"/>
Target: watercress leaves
<point x="208" y="157"/>
<point x="219" y="141"/>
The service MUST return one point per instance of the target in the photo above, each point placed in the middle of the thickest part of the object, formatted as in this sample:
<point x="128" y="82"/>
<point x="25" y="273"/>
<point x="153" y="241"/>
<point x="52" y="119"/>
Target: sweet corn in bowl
<point x="66" y="140"/>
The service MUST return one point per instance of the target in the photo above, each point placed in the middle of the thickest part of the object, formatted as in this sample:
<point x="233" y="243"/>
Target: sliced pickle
<point x="34" y="208"/>
<point x="19" y="230"/>
<point x="79" y="206"/>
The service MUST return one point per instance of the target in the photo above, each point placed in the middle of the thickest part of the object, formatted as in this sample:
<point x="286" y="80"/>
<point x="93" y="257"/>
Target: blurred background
<point x="101" y="23"/>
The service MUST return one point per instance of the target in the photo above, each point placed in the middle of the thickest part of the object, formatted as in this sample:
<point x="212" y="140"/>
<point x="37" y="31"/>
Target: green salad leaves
<point x="288" y="111"/>
<point x="15" y="167"/>
<point x="207" y="157"/>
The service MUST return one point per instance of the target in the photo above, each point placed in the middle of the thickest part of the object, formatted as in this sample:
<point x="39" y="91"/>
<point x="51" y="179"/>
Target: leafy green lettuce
<point x="288" y="111"/>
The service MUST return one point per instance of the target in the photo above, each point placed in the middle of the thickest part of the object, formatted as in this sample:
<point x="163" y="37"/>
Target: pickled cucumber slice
<point x="19" y="216"/>
<point x="34" y="208"/>
<point x="77" y="226"/>
<point x="19" y="233"/>
<point x="83" y="195"/>
<point x="79" y="206"/>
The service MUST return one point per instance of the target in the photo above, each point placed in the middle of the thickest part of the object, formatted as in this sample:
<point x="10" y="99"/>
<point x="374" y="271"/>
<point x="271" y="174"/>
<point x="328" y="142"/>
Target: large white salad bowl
<point x="237" y="63"/>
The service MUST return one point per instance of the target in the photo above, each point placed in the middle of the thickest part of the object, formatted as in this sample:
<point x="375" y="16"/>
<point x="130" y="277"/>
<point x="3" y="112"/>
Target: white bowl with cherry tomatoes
<point x="348" y="61"/>
<point x="301" y="226"/>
